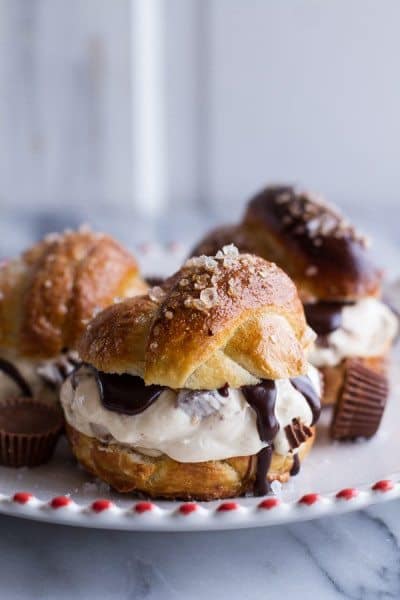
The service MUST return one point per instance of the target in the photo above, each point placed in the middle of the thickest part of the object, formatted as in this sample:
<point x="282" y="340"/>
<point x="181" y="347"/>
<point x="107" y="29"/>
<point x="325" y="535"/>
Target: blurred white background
<point x="158" y="117"/>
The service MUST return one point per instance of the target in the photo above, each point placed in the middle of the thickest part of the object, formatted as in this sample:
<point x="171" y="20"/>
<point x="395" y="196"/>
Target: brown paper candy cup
<point x="29" y="430"/>
<point x="361" y="403"/>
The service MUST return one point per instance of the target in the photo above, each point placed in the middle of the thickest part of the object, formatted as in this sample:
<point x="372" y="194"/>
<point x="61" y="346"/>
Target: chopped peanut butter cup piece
<point x="297" y="433"/>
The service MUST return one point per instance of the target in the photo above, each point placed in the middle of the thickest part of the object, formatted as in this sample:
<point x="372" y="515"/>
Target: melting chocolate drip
<point x="262" y="398"/>
<point x="261" y="484"/>
<point x="303" y="385"/>
<point x="11" y="371"/>
<point x="325" y="317"/>
<point x="224" y="390"/>
<point x="125" y="394"/>
<point x="295" y="470"/>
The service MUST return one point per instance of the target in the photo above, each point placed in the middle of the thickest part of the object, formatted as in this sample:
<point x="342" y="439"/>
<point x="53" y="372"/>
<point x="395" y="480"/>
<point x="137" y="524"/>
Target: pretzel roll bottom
<point x="128" y="471"/>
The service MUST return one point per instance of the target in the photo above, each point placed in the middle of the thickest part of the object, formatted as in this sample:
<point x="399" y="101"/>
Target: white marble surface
<point x="354" y="556"/>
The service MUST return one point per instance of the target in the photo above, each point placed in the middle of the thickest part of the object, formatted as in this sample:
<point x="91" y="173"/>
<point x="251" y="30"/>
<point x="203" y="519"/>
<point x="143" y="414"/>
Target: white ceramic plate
<point x="335" y="478"/>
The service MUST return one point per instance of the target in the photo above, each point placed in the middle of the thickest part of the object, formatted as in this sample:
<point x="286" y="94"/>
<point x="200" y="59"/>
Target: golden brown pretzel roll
<point x="329" y="263"/>
<point x="50" y="292"/>
<point x="128" y="470"/>
<point x="312" y="242"/>
<point x="229" y="319"/>
<point x="200" y="389"/>
<point x="222" y="236"/>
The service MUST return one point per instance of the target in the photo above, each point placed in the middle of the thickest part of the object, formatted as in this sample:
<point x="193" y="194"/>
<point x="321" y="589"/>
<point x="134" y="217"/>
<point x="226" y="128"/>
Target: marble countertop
<point x="353" y="556"/>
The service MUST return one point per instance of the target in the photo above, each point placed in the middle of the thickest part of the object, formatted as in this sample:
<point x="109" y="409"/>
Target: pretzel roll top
<point x="226" y="319"/>
<point x="222" y="236"/>
<point x="50" y="292"/>
<point x="308" y="238"/>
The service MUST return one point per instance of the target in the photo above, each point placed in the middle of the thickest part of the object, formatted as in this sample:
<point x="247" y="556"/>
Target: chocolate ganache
<point x="303" y="385"/>
<point x="121" y="393"/>
<point x="262" y="399"/>
<point x="13" y="373"/>
<point x="261" y="483"/>
<point x="295" y="470"/>
<point x="325" y="317"/>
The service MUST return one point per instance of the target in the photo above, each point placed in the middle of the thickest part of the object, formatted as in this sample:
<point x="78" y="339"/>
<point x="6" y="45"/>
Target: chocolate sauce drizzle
<point x="303" y="385"/>
<point x="224" y="390"/>
<point x="262" y="398"/>
<point x="295" y="470"/>
<point x="13" y="373"/>
<point x="124" y="394"/>
<point x="127" y="394"/>
<point x="262" y="486"/>
<point x="325" y="317"/>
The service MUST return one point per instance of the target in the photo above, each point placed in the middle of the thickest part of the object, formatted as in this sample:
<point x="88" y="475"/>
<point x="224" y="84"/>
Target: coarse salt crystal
<point x="230" y="250"/>
<point x="201" y="281"/>
<point x="209" y="297"/>
<point x="156" y="294"/>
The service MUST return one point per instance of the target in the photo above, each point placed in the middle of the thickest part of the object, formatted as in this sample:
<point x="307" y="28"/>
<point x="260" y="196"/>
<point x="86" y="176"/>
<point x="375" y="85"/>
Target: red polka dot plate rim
<point x="335" y="478"/>
<point x="151" y="515"/>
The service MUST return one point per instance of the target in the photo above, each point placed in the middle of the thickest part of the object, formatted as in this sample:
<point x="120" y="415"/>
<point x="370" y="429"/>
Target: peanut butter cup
<point x="361" y="403"/>
<point x="29" y="430"/>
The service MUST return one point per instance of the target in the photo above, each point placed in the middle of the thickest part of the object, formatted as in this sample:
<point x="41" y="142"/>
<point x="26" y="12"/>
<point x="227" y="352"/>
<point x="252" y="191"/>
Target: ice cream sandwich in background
<point x="340" y="288"/>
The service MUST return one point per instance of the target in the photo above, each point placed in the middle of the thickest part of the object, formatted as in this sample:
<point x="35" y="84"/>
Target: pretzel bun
<point x="230" y="319"/>
<point x="49" y="293"/>
<point x="128" y="470"/>
<point x="312" y="242"/>
<point x="222" y="236"/>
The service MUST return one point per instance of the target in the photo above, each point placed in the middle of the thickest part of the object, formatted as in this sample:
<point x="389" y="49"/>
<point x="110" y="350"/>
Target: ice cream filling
<point x="32" y="378"/>
<point x="365" y="328"/>
<point x="187" y="425"/>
